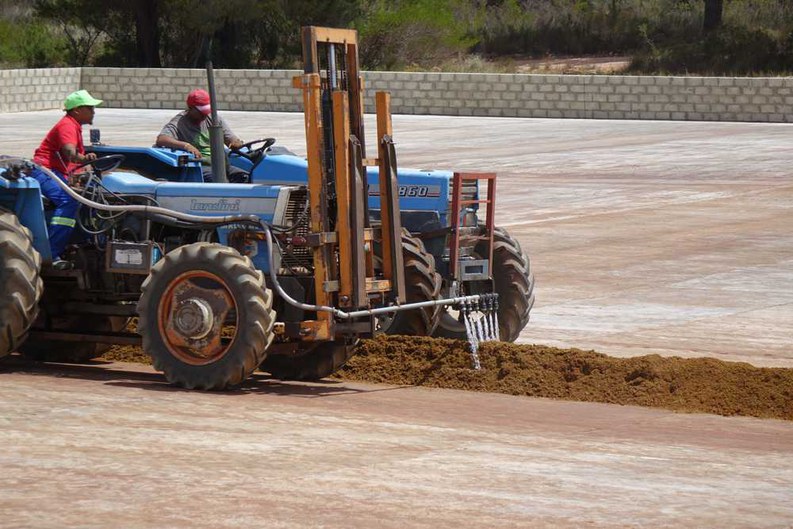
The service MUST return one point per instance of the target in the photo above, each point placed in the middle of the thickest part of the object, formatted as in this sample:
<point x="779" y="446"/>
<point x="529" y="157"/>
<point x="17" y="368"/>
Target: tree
<point x="714" y="9"/>
<point x="81" y="22"/>
<point x="147" y="33"/>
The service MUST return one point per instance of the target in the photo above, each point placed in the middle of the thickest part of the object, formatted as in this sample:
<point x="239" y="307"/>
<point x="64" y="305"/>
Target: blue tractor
<point x="284" y="273"/>
<point x="426" y="203"/>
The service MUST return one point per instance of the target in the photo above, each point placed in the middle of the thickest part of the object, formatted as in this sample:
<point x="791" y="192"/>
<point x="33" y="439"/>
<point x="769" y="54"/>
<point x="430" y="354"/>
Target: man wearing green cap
<point x="60" y="152"/>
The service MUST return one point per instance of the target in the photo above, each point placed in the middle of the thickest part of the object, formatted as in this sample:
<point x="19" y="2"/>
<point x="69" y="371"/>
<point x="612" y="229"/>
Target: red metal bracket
<point x="458" y="203"/>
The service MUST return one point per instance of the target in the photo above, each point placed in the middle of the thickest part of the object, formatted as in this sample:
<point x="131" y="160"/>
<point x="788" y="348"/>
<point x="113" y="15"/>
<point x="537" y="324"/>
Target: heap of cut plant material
<point x="697" y="385"/>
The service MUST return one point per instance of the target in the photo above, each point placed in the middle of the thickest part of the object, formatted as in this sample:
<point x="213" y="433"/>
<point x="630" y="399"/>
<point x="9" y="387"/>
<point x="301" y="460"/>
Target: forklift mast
<point x="342" y="238"/>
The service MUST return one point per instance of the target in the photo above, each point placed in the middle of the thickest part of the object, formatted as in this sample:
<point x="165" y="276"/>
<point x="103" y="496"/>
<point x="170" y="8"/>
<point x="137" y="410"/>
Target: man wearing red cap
<point x="189" y="131"/>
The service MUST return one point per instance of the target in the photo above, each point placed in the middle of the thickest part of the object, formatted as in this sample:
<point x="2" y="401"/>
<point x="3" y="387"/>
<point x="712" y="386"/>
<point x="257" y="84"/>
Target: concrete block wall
<point x="589" y="96"/>
<point x="456" y="94"/>
<point x="264" y="90"/>
<point x="36" y="89"/>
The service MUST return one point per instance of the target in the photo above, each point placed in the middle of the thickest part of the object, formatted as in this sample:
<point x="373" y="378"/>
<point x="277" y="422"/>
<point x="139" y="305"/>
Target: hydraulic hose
<point x="155" y="211"/>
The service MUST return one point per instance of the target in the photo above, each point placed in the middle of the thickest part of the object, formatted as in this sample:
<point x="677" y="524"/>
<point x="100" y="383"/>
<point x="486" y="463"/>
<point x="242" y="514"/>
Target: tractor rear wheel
<point x="422" y="283"/>
<point x="20" y="283"/>
<point x="309" y="363"/>
<point x="206" y="317"/>
<point x="514" y="284"/>
<point x="72" y="352"/>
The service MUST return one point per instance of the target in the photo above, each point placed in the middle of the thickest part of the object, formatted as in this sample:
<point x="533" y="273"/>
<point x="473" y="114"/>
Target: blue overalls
<point x="64" y="217"/>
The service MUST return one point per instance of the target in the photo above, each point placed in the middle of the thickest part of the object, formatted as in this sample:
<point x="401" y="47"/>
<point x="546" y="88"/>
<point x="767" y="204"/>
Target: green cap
<point x="80" y="98"/>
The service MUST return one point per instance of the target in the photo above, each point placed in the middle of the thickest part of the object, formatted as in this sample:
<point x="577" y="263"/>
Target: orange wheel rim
<point x="198" y="317"/>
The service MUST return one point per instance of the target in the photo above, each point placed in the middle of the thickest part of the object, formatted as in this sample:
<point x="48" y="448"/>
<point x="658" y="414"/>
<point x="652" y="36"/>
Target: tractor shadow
<point x="141" y="376"/>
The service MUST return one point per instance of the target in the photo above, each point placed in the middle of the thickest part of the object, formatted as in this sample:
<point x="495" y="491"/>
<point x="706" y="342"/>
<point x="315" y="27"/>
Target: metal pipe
<point x="218" y="151"/>
<point x="355" y="314"/>
<point x="332" y="66"/>
<point x="156" y="210"/>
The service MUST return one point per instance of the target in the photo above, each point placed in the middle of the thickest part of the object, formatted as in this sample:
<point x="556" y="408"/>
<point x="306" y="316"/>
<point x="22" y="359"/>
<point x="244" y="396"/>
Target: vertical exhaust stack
<point x="216" y="133"/>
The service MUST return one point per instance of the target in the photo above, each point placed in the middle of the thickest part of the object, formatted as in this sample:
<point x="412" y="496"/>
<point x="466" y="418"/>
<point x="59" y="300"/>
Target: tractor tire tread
<point x="422" y="283"/>
<point x="255" y="334"/>
<point x="22" y="287"/>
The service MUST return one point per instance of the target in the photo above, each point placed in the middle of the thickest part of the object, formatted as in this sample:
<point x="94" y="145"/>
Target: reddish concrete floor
<point x="113" y="446"/>
<point x="645" y="237"/>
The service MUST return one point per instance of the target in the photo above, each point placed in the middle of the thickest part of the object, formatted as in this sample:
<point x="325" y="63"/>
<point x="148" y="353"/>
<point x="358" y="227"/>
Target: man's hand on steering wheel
<point x="101" y="164"/>
<point x="252" y="154"/>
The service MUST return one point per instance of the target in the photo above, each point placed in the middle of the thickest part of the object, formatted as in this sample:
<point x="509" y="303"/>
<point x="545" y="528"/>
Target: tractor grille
<point x="299" y="258"/>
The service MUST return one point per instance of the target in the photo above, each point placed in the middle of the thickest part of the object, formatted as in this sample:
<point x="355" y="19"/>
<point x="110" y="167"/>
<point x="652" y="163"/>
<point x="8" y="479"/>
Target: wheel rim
<point x="198" y="317"/>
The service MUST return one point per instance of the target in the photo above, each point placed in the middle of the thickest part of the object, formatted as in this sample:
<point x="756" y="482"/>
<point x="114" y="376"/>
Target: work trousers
<point x="63" y="218"/>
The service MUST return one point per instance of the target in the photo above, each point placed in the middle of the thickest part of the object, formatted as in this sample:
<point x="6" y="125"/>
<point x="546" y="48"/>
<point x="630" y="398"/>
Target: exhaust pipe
<point x="218" y="159"/>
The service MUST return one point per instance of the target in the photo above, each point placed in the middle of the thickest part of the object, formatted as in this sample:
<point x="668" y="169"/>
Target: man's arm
<point x="70" y="155"/>
<point x="229" y="138"/>
<point x="163" y="140"/>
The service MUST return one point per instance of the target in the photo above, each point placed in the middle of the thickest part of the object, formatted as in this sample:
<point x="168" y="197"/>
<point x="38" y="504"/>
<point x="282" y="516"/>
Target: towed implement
<point x="282" y="275"/>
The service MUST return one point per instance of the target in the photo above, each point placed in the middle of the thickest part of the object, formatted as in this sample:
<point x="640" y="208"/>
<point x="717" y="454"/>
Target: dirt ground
<point x="704" y="385"/>
<point x="573" y="65"/>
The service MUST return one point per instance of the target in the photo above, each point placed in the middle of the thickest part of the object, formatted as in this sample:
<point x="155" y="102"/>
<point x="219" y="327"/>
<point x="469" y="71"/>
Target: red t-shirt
<point x="67" y="131"/>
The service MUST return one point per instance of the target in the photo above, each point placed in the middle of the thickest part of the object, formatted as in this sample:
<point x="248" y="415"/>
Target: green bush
<point x="405" y="33"/>
<point x="730" y="50"/>
<point x="30" y="45"/>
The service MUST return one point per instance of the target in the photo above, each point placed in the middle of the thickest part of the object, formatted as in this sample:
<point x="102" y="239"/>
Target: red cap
<point x="199" y="99"/>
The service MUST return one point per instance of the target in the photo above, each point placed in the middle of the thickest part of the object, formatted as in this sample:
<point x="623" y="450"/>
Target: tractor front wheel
<point x="206" y="317"/>
<point x="20" y="283"/>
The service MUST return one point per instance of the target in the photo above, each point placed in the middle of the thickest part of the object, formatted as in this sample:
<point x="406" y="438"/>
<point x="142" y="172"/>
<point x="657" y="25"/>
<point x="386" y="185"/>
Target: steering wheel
<point x="102" y="164"/>
<point x="254" y="154"/>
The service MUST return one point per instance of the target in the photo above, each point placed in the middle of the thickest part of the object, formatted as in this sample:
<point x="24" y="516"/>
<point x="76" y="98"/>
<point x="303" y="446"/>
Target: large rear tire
<point x="20" y="282"/>
<point x="309" y="363"/>
<point x="514" y="284"/>
<point x="422" y="283"/>
<point x="206" y="317"/>
<point x="72" y="352"/>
